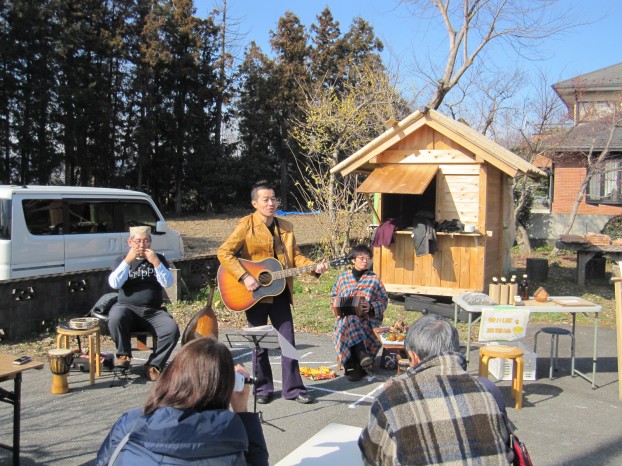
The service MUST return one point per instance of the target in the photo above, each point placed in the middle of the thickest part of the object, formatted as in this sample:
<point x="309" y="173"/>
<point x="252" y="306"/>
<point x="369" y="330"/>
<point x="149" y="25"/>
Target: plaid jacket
<point x="435" y="413"/>
<point x="350" y="330"/>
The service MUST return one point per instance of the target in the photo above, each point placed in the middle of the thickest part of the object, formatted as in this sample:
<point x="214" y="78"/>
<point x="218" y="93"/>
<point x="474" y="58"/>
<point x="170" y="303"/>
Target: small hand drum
<point x="60" y="362"/>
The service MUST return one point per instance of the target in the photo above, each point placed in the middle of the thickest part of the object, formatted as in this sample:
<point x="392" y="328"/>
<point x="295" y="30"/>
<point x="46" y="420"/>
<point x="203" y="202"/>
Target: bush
<point x="613" y="228"/>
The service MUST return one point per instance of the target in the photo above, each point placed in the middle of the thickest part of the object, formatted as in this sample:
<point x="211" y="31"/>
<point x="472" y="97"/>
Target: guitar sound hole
<point x="264" y="278"/>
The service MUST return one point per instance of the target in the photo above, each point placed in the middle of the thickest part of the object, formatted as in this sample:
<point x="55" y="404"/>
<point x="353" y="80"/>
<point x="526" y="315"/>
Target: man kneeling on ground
<point x="140" y="278"/>
<point x="435" y="413"/>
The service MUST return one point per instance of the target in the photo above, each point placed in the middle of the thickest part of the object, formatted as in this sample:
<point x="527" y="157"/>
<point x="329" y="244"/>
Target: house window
<point x="604" y="188"/>
<point x="592" y="110"/>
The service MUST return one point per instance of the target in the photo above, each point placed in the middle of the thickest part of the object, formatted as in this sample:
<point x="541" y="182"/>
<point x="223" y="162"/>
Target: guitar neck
<point x="293" y="272"/>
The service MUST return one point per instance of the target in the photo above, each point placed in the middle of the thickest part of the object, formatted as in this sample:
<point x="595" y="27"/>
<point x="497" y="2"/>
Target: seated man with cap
<point x="140" y="279"/>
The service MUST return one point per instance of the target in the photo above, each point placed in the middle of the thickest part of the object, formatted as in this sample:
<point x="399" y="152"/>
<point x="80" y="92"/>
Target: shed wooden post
<point x="617" y="282"/>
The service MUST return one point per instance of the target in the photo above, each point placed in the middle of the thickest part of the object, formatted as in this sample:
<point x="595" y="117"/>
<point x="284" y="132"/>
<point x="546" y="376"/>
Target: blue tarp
<point x="283" y="213"/>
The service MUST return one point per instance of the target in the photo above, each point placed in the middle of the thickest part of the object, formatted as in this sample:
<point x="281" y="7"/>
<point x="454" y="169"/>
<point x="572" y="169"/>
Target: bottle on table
<point x="494" y="290"/>
<point x="523" y="288"/>
<point x="513" y="289"/>
<point x="504" y="295"/>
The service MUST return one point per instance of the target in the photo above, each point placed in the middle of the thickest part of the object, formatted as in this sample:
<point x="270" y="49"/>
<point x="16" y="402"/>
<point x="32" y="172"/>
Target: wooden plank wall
<point x="457" y="193"/>
<point x="494" y="223"/>
<point x="458" y="264"/>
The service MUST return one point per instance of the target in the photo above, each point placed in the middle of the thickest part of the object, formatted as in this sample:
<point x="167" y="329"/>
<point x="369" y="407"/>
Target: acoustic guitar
<point x="271" y="277"/>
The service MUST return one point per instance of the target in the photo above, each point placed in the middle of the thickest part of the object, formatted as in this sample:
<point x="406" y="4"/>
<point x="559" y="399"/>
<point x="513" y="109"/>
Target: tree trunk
<point x="577" y="203"/>
<point x="522" y="239"/>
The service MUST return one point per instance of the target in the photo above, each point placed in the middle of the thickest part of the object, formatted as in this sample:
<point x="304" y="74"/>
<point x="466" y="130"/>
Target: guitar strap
<point x="278" y="237"/>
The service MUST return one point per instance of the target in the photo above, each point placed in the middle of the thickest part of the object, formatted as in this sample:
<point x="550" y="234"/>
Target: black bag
<point x="101" y="309"/>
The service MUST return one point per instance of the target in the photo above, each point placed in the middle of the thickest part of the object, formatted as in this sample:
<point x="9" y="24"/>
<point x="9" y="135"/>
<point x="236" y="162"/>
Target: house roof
<point x="603" y="80"/>
<point x="591" y="135"/>
<point x="464" y="135"/>
<point x="609" y="78"/>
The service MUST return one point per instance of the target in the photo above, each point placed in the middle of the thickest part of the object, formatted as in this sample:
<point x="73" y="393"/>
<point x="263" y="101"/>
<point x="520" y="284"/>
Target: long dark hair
<point x="200" y="377"/>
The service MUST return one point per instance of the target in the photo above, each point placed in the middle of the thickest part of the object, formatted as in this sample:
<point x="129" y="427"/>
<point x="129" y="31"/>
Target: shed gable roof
<point x="464" y="135"/>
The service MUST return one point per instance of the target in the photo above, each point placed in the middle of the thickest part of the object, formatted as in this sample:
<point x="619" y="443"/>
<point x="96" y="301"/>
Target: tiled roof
<point x="605" y="78"/>
<point x="582" y="137"/>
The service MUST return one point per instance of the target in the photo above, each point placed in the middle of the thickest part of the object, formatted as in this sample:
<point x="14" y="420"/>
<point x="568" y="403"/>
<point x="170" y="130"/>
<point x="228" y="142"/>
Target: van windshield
<point x="5" y="219"/>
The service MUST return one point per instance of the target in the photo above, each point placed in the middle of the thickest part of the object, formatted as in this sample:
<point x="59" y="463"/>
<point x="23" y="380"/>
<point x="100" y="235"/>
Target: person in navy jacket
<point x="186" y="418"/>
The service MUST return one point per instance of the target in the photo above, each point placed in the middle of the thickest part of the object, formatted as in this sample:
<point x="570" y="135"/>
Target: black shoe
<point x="304" y="399"/>
<point x="355" y="374"/>
<point x="264" y="399"/>
<point x="364" y="359"/>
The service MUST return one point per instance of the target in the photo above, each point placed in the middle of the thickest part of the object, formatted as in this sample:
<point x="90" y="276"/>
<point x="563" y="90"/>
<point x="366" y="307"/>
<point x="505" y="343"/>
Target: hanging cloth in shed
<point x="424" y="234"/>
<point x="384" y="233"/>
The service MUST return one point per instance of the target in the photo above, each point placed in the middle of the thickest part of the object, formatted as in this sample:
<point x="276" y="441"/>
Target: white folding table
<point x="334" y="444"/>
<point x="585" y="307"/>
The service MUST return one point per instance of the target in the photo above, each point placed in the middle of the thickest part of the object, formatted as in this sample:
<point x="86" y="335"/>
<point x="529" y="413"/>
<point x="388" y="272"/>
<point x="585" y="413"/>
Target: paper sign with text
<point x="503" y="324"/>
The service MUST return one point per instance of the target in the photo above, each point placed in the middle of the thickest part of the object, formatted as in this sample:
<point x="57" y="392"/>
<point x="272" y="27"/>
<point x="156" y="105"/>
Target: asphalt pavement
<point x="563" y="421"/>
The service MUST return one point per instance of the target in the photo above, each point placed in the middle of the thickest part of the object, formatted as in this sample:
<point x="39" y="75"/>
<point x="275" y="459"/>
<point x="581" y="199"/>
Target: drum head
<point x="60" y="352"/>
<point x="82" y="323"/>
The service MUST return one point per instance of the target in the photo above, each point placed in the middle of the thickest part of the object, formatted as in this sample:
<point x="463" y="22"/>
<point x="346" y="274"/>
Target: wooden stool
<point x="402" y="364"/>
<point x="93" y="334"/>
<point x="486" y="353"/>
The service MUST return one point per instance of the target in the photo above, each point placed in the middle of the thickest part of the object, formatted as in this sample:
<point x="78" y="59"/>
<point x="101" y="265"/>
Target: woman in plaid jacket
<point x="353" y="335"/>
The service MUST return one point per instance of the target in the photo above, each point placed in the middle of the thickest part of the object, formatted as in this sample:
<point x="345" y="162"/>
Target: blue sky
<point x="580" y="50"/>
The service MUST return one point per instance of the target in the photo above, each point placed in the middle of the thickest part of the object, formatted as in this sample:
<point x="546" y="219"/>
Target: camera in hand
<point x="240" y="381"/>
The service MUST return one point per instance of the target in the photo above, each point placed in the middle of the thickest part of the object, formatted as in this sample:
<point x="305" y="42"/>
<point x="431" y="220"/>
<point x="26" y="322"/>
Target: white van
<point x="54" y="229"/>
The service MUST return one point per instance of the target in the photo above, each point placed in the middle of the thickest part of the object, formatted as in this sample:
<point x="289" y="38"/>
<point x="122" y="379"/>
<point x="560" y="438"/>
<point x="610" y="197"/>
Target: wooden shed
<point x="431" y="163"/>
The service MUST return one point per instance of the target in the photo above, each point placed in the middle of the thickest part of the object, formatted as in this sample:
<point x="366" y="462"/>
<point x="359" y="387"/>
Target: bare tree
<point x="599" y="135"/>
<point x="540" y="121"/>
<point x="473" y="26"/>
<point x="485" y="100"/>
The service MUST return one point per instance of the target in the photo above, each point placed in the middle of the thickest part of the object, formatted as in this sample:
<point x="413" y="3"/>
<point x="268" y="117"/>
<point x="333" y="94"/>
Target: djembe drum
<point x="60" y="362"/>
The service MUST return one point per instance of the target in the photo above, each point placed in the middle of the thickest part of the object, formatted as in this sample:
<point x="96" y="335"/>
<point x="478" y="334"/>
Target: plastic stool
<point x="555" y="332"/>
<point x="486" y="353"/>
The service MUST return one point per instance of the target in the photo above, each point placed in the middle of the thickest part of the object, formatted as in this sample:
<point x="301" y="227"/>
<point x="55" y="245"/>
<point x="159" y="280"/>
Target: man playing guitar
<point x="256" y="237"/>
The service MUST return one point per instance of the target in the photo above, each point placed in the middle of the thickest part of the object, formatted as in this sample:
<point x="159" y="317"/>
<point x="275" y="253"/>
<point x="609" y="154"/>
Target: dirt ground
<point x="203" y="235"/>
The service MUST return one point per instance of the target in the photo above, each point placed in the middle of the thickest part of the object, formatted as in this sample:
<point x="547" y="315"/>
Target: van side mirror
<point x="160" y="228"/>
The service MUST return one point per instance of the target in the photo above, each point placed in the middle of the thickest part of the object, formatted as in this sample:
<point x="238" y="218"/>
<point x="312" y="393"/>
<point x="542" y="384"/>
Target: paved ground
<point x="563" y="421"/>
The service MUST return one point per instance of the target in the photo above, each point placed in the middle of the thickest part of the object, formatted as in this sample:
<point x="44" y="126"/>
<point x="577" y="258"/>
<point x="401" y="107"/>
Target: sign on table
<point x="499" y="324"/>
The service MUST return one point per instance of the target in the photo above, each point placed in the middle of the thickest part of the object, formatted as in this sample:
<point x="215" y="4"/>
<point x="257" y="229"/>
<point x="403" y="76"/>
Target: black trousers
<point x="280" y="314"/>
<point x="126" y="318"/>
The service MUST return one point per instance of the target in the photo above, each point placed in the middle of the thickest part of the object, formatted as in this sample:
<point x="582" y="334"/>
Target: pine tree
<point x="291" y="75"/>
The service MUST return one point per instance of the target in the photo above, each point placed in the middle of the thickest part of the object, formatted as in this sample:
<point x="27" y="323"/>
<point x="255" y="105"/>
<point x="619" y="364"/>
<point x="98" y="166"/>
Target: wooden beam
<point x="435" y="156"/>
<point x="427" y="290"/>
<point x="370" y="201"/>
<point x="617" y="282"/>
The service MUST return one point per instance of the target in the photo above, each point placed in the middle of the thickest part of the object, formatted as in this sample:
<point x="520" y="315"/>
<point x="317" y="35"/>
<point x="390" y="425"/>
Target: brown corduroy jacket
<point x="251" y="239"/>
